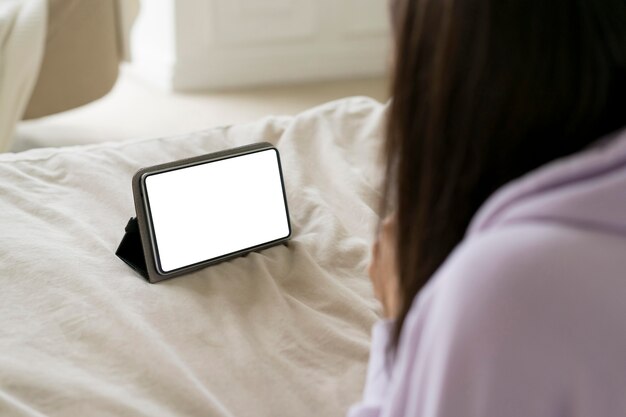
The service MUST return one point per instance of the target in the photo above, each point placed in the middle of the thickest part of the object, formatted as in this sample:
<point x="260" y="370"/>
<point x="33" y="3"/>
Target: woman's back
<point x="527" y="316"/>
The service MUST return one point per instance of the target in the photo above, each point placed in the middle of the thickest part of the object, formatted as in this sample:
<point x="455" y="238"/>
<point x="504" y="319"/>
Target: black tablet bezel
<point x="146" y="228"/>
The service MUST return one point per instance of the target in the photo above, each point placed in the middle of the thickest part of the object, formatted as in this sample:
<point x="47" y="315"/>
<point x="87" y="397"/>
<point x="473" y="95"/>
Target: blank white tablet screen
<point x="217" y="208"/>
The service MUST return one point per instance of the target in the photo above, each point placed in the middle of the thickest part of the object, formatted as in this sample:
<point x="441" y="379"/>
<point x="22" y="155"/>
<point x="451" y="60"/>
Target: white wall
<point x="214" y="44"/>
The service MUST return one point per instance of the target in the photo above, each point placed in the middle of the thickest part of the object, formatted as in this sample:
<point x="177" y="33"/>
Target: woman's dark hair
<point x="485" y="91"/>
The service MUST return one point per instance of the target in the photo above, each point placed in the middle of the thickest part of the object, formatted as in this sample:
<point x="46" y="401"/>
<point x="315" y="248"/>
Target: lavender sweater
<point x="527" y="317"/>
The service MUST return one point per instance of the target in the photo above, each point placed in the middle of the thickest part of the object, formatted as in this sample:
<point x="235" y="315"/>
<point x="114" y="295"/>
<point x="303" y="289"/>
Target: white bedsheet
<point x="284" y="332"/>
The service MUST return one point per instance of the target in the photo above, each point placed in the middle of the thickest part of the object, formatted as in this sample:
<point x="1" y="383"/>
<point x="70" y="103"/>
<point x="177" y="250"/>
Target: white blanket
<point x="284" y="332"/>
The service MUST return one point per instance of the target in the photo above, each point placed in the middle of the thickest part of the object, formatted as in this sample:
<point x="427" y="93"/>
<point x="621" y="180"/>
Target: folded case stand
<point x="131" y="249"/>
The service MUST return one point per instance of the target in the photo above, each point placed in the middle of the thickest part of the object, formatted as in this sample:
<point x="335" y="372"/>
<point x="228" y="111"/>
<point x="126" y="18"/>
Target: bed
<point x="283" y="332"/>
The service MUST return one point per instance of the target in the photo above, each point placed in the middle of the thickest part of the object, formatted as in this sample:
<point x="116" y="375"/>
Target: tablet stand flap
<point x="131" y="249"/>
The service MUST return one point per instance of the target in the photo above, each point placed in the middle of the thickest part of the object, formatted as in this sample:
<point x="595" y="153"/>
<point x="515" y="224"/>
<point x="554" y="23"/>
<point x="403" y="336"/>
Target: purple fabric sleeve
<point x="378" y="372"/>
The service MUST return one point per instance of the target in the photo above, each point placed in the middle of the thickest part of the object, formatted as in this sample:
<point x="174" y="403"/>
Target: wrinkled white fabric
<point x="22" y="39"/>
<point x="284" y="332"/>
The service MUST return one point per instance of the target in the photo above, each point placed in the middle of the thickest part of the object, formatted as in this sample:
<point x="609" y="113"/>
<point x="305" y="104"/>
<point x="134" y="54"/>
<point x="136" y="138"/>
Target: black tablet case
<point x="137" y="247"/>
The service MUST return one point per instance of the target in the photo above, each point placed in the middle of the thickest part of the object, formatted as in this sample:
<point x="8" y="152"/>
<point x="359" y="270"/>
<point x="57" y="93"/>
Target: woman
<point x="512" y="304"/>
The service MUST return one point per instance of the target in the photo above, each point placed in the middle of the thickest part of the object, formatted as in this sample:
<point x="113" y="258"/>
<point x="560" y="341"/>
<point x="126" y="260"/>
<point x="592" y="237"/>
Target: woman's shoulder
<point x="530" y="268"/>
<point x="531" y="310"/>
<point x="519" y="321"/>
<point x="533" y="258"/>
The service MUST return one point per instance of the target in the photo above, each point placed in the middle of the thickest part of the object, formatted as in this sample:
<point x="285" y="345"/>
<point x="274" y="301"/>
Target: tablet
<point x="197" y="212"/>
